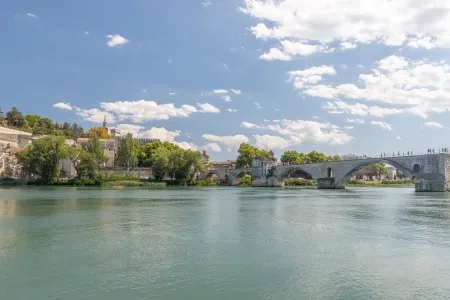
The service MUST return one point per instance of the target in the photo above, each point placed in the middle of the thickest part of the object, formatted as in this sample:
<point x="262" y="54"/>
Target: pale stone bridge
<point x="432" y="171"/>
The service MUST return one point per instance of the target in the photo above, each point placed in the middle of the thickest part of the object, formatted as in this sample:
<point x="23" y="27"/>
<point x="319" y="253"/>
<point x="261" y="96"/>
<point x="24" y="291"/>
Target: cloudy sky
<point x="341" y="77"/>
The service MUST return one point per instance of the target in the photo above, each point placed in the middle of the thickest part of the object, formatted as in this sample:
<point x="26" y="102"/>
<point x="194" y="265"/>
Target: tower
<point x="105" y="123"/>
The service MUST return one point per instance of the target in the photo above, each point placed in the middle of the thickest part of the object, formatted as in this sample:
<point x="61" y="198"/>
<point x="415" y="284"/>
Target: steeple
<point x="105" y="123"/>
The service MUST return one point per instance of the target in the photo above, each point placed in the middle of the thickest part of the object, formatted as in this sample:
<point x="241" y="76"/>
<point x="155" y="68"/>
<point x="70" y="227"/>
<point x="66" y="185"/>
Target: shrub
<point x="207" y="182"/>
<point x="299" y="182"/>
<point x="246" y="180"/>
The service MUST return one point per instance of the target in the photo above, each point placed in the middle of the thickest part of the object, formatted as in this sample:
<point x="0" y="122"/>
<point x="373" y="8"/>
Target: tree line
<point x="43" y="159"/>
<point x="38" y="125"/>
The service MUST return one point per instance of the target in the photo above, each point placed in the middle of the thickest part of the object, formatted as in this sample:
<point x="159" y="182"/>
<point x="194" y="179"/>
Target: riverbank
<point x="383" y="183"/>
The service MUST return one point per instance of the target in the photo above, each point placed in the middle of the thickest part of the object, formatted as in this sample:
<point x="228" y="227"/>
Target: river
<point x="224" y="243"/>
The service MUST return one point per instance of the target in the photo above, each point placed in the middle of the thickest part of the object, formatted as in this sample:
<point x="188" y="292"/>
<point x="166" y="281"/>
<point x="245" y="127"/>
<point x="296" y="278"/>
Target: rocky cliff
<point x="9" y="165"/>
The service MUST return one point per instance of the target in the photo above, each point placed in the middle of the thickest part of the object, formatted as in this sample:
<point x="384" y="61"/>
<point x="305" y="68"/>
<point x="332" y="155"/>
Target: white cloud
<point x="144" y="91"/>
<point x="433" y="125"/>
<point x="398" y="138"/>
<point x="340" y="107"/>
<point x="135" y="130"/>
<point x="418" y="87"/>
<point x="348" y="127"/>
<point x="208" y="108"/>
<point x="248" y="125"/>
<point x="307" y="132"/>
<point x="219" y="91"/>
<point x="214" y="147"/>
<point x="270" y="142"/>
<point x="415" y="23"/>
<point x="95" y="115"/>
<point x="227" y="98"/>
<point x="186" y="145"/>
<point x="311" y="76"/>
<point x="383" y="125"/>
<point x="206" y="3"/>
<point x="62" y="105"/>
<point x="343" y="66"/>
<point x="30" y="15"/>
<point x="141" y="111"/>
<point x="232" y="110"/>
<point x="232" y="142"/>
<point x="172" y="93"/>
<point x="348" y="45"/>
<point x="275" y="54"/>
<point x="355" y="121"/>
<point x="86" y="32"/>
<point x="237" y="92"/>
<point x="258" y="105"/>
<point x="116" y="40"/>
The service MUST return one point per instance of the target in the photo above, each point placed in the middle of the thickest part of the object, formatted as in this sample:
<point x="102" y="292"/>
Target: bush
<point x="246" y="180"/>
<point x="299" y="182"/>
<point x="207" y="182"/>
<point x="132" y="183"/>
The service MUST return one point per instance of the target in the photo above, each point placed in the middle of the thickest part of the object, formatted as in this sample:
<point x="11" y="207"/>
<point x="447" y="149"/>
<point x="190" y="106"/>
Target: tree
<point x="160" y="162"/>
<point x="380" y="169"/>
<point x="145" y="152"/>
<point x="2" y="117"/>
<point x="246" y="153"/>
<point x="127" y="155"/>
<point x="76" y="131"/>
<point x="100" y="132"/>
<point x="292" y="158"/>
<point x="95" y="149"/>
<point x="15" y="118"/>
<point x="43" y="158"/>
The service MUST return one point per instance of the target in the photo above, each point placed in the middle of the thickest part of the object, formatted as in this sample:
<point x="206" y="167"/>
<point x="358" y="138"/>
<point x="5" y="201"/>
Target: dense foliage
<point x="40" y="126"/>
<point x="380" y="169"/>
<point x="100" y="132"/>
<point x="246" y="153"/>
<point x="299" y="182"/>
<point x="127" y="156"/>
<point x="295" y="158"/>
<point x="246" y="180"/>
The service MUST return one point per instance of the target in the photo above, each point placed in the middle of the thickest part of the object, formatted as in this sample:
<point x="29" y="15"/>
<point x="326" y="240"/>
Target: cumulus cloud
<point x="115" y="40"/>
<point x="348" y="45"/>
<point x="227" y="98"/>
<point x="433" y="125"/>
<point x="62" y="105"/>
<point x="415" y="87"/>
<point x="248" y="125"/>
<point x="383" y="125"/>
<point x="270" y="142"/>
<point x="355" y="121"/>
<point x="135" y="130"/>
<point x="208" y="108"/>
<point x="232" y="142"/>
<point x="340" y="107"/>
<point x="289" y="50"/>
<point x="141" y="111"/>
<point x="214" y="147"/>
<point x="311" y="76"/>
<point x="296" y="132"/>
<point x="414" y="23"/>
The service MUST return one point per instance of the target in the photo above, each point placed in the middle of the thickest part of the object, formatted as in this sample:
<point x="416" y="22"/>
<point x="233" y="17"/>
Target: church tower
<point x="105" y="123"/>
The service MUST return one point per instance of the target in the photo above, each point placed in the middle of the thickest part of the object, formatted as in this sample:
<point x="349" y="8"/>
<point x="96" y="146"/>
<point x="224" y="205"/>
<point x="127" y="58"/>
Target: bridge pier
<point x="426" y="185"/>
<point x="328" y="183"/>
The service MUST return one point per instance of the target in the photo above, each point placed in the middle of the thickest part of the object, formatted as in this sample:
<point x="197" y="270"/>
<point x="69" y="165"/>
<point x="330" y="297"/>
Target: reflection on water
<point x="224" y="243"/>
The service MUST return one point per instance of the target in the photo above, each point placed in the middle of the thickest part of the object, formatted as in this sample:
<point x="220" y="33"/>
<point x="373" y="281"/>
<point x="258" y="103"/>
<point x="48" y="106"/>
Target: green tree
<point x="246" y="153"/>
<point x="334" y="158"/>
<point x="160" y="162"/>
<point x="95" y="149"/>
<point x="43" y="158"/>
<point x="127" y="155"/>
<point x="292" y="158"/>
<point x="15" y="118"/>
<point x="380" y="169"/>
<point x="2" y="117"/>
<point x="145" y="152"/>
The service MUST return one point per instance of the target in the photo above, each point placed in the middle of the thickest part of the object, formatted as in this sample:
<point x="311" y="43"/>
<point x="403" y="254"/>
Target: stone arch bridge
<point x="432" y="170"/>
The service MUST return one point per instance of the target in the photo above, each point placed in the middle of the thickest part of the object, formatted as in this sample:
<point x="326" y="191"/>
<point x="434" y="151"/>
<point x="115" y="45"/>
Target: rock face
<point x="9" y="165"/>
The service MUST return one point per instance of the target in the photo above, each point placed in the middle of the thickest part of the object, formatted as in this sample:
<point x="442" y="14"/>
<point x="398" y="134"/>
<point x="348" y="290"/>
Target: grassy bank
<point x="299" y="182"/>
<point x="383" y="183"/>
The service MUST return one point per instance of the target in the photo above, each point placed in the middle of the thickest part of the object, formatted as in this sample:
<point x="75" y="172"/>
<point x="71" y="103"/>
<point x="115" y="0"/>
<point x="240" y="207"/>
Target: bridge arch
<point x="411" y="172"/>
<point x="292" y="171"/>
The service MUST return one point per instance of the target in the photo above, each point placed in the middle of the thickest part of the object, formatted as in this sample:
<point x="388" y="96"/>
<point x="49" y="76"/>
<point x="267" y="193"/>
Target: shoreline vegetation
<point x="115" y="182"/>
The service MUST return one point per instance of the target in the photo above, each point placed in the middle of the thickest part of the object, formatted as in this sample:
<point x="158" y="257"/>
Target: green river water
<point x="224" y="243"/>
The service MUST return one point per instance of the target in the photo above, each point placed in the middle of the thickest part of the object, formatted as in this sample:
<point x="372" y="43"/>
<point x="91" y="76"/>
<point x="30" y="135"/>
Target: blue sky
<point x="338" y="78"/>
